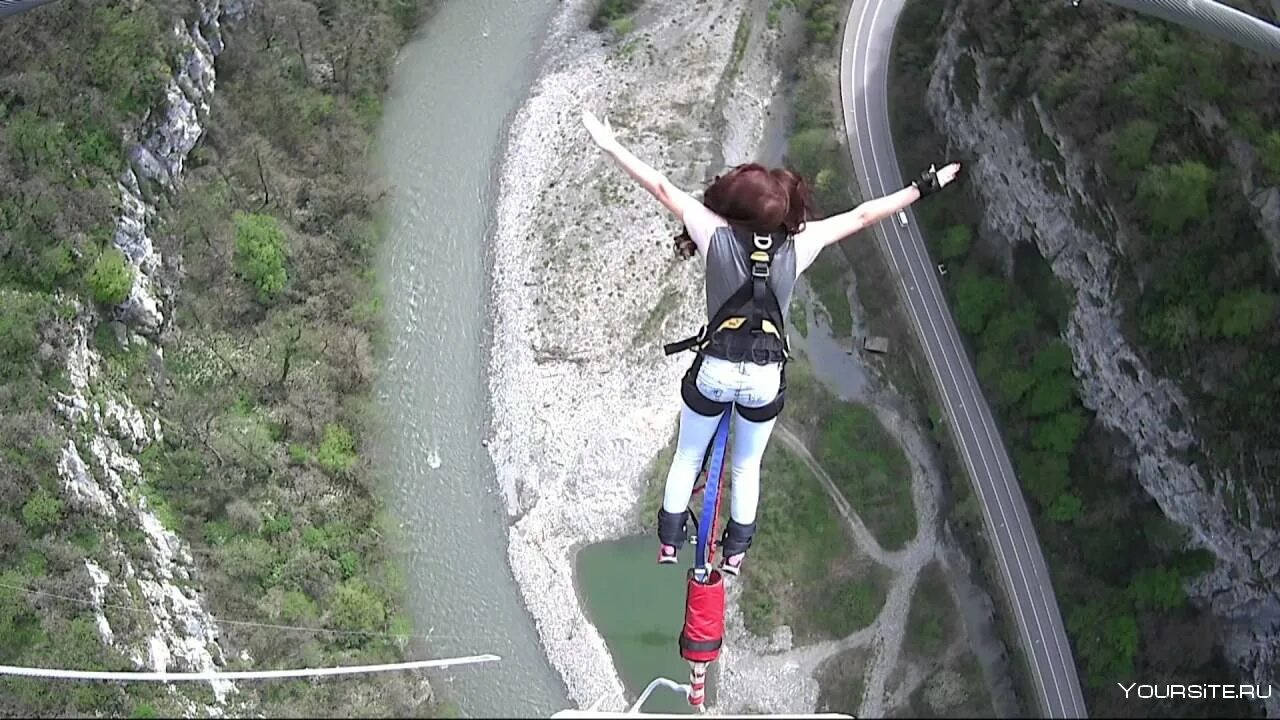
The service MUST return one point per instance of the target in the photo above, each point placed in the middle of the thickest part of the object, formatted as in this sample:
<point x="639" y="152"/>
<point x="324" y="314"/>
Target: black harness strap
<point x="764" y="307"/>
<point x="700" y="645"/>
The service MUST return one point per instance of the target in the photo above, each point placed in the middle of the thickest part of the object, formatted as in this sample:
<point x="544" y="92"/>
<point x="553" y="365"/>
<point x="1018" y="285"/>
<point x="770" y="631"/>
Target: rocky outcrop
<point x="156" y="572"/>
<point x="1037" y="201"/>
<point x="180" y="634"/>
<point x="168" y="135"/>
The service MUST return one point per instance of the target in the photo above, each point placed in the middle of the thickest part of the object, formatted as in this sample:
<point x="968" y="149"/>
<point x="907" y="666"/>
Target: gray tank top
<point x="728" y="268"/>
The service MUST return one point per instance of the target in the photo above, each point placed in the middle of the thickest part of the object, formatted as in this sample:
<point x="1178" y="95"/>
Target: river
<point x="454" y="91"/>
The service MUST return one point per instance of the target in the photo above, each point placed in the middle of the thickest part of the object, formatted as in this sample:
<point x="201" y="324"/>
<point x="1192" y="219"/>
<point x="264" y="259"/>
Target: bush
<point x="809" y="150"/>
<point x="1242" y="314"/>
<point x="20" y="318"/>
<point x="356" y="607"/>
<point x="1066" y="508"/>
<point x="611" y="11"/>
<point x="337" y="453"/>
<point x="955" y="242"/>
<point x="260" y="256"/>
<point x="1171" y="196"/>
<point x="1270" y="152"/>
<point x="41" y="512"/>
<point x="1132" y="145"/>
<point x="111" y="277"/>
<point x="978" y="297"/>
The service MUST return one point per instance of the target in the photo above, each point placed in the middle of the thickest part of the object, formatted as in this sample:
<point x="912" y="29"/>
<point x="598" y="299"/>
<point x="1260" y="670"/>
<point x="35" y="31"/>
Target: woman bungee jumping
<point x="752" y="228"/>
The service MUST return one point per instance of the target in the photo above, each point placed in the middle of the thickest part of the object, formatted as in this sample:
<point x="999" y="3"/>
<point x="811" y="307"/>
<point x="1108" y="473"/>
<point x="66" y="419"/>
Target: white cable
<point x="238" y="675"/>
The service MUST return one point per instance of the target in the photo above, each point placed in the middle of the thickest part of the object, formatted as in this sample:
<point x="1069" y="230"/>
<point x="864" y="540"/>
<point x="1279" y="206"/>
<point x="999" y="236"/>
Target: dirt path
<point x="885" y="635"/>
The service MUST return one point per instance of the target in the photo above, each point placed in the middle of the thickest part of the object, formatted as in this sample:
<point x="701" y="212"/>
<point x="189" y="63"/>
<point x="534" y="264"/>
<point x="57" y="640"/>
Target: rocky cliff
<point x="1030" y="200"/>
<point x="176" y="633"/>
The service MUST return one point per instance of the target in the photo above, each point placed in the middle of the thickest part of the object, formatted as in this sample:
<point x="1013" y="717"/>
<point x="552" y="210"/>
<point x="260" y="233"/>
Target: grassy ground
<point x="932" y="622"/>
<point x="863" y="459"/>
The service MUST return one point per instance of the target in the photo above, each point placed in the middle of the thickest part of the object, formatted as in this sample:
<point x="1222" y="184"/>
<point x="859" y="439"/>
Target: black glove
<point x="927" y="183"/>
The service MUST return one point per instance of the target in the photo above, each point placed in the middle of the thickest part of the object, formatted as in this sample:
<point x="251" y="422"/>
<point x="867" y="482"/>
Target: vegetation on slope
<point x="1126" y="612"/>
<point x="267" y="365"/>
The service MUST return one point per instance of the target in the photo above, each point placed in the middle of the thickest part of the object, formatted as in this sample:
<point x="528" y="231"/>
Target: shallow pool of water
<point x="638" y="607"/>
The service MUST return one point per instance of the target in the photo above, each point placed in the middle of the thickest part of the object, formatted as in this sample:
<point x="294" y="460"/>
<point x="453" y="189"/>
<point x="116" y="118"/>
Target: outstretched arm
<point x="657" y="184"/>
<point x="821" y="233"/>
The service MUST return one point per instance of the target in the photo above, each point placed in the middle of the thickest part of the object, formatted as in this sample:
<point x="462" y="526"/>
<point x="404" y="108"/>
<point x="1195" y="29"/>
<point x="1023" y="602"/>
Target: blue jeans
<point x="742" y="383"/>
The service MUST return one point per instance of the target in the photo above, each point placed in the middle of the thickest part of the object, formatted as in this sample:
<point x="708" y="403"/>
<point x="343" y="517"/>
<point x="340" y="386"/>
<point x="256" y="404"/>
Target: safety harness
<point x="747" y="326"/>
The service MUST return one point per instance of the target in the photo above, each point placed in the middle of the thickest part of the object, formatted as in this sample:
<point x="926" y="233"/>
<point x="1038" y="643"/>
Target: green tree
<point x="1176" y="328"/>
<point x="978" y="297"/>
<point x="1171" y="196"/>
<point x="1009" y="328"/>
<point x="810" y="149"/>
<point x="356" y="607"/>
<point x="42" y="511"/>
<point x="111" y="277"/>
<point x="1270" y="155"/>
<point x="1059" y="433"/>
<point x="1050" y="395"/>
<point x="1106" y="635"/>
<point x="1131" y="145"/>
<point x="337" y="452"/>
<point x="260" y="254"/>
<point x="1065" y="508"/>
<point x="1052" y="358"/>
<point x="20" y="317"/>
<point x="1244" y="313"/>
<point x="1046" y="475"/>
<point x="1157" y="588"/>
<point x="1012" y="384"/>
<point x="955" y="242"/>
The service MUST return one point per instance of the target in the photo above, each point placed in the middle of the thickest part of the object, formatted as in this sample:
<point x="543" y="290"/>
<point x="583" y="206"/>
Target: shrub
<point x="611" y="11"/>
<point x="41" y="512"/>
<point x="955" y="242"/>
<point x="1271" y="157"/>
<point x="1172" y="196"/>
<point x="337" y="453"/>
<point x="356" y="607"/>
<point x="111" y="277"/>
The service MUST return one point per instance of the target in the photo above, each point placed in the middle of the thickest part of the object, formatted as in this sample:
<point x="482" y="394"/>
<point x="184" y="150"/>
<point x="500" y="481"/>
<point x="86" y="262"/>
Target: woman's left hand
<point x="600" y="132"/>
<point x="947" y="174"/>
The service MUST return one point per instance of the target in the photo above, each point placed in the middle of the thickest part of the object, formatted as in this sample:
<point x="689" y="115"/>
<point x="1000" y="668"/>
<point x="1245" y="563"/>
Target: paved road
<point x="863" y="79"/>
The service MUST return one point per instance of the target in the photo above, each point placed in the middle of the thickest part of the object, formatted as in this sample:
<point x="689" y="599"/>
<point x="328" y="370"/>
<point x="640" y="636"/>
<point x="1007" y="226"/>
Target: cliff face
<point x="1033" y="201"/>
<point x="157" y="574"/>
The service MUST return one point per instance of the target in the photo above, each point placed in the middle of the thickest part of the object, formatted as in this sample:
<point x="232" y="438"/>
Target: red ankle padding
<point x="703" y="631"/>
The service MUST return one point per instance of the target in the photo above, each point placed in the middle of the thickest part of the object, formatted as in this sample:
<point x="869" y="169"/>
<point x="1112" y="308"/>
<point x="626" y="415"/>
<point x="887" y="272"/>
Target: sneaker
<point x="666" y="555"/>
<point x="732" y="565"/>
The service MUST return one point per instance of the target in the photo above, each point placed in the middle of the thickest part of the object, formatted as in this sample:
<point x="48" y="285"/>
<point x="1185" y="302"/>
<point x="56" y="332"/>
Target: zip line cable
<point x="168" y="677"/>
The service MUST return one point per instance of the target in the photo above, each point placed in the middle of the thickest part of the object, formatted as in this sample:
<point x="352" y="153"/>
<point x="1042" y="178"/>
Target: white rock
<point x="81" y="488"/>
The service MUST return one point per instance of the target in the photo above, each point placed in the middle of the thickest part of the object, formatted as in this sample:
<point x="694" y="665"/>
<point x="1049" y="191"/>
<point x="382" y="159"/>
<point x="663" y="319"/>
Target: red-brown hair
<point x="758" y="199"/>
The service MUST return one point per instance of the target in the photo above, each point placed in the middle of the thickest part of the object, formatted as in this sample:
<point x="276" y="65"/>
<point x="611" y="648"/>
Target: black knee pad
<point x="737" y="537"/>
<point x="672" y="528"/>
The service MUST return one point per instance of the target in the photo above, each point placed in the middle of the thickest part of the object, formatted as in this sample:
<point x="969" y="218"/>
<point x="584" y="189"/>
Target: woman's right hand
<point x="600" y="132"/>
